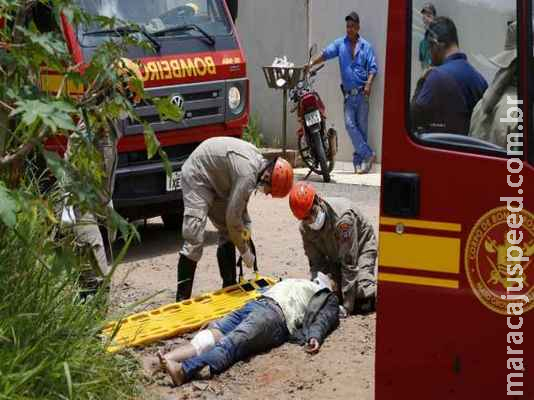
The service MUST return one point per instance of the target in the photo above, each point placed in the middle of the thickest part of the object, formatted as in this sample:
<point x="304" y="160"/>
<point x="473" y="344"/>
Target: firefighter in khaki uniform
<point x="85" y="226"/>
<point x="338" y="240"/>
<point x="217" y="181"/>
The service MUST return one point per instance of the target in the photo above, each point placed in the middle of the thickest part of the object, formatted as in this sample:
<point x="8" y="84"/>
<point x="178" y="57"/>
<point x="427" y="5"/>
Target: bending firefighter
<point x="338" y="240"/>
<point x="298" y="310"/>
<point x="217" y="181"/>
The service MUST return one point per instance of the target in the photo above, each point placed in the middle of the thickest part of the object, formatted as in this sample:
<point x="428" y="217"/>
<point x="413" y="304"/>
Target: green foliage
<point x="253" y="133"/>
<point x="49" y="340"/>
<point x="8" y="207"/>
<point x="167" y="110"/>
<point x="151" y="141"/>
<point x="52" y="114"/>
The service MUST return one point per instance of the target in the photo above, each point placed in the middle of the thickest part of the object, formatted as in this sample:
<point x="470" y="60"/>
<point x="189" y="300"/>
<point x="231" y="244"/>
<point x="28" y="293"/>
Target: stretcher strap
<point x="240" y="262"/>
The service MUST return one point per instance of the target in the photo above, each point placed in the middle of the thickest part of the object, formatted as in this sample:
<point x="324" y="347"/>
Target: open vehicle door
<point x="456" y="278"/>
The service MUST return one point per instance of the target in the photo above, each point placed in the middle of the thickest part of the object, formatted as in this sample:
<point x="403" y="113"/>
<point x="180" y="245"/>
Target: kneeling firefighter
<point x="217" y="181"/>
<point x="340" y="241"/>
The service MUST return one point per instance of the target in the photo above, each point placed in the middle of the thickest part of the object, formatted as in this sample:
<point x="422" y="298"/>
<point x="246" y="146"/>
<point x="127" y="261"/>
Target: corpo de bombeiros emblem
<point x="486" y="261"/>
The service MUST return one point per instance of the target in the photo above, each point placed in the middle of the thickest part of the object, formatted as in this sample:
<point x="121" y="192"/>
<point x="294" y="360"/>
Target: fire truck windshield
<point x="207" y="16"/>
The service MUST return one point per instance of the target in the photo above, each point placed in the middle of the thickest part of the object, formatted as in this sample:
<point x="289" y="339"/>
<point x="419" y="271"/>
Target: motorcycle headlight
<point x="234" y="99"/>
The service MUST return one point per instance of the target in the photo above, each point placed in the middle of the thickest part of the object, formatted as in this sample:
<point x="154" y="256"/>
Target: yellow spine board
<point x="184" y="317"/>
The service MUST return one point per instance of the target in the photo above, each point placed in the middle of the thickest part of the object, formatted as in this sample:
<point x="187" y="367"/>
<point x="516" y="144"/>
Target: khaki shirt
<point x="488" y="126"/>
<point x="226" y="169"/>
<point x="345" y="247"/>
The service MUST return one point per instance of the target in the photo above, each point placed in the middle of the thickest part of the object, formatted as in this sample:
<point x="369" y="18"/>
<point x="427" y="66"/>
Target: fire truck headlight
<point x="234" y="99"/>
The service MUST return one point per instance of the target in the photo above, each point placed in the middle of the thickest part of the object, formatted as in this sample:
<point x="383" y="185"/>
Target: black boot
<point x="186" y="275"/>
<point x="227" y="263"/>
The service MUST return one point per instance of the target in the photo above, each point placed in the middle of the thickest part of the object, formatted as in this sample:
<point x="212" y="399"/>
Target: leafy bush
<point x="49" y="342"/>
<point x="252" y="132"/>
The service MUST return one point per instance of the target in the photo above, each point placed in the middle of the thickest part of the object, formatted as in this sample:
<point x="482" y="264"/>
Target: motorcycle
<point x="317" y="146"/>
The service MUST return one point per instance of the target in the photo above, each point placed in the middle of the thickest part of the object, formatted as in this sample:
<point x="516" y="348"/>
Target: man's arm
<point x="331" y="51"/>
<point x="317" y="61"/>
<point x="357" y="252"/>
<point x="422" y="101"/>
<point x="369" y="85"/>
<point x="315" y="257"/>
<point x="326" y="320"/>
<point x="372" y="71"/>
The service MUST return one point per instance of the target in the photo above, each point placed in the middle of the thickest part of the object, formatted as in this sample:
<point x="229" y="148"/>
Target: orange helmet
<point x="281" y="178"/>
<point x="301" y="199"/>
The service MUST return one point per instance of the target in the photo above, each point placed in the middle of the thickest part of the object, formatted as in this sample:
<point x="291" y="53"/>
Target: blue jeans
<point x="257" y="327"/>
<point x="356" y="123"/>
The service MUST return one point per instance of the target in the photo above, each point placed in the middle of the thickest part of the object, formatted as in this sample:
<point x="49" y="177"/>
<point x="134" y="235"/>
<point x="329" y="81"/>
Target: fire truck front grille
<point x="203" y="103"/>
<point x="178" y="152"/>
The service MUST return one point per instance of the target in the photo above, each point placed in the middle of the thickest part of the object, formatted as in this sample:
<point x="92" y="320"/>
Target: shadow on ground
<point x="157" y="241"/>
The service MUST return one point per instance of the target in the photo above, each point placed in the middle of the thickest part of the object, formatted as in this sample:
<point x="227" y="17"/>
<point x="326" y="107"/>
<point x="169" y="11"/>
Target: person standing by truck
<point x="86" y="225"/>
<point x="428" y="14"/>
<point x="217" y="181"/>
<point x="358" y="67"/>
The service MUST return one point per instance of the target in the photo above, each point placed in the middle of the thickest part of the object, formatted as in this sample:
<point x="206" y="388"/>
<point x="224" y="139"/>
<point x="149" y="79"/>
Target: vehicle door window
<point x="464" y="75"/>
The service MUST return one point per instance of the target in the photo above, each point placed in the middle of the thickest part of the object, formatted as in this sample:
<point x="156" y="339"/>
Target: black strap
<point x="240" y="261"/>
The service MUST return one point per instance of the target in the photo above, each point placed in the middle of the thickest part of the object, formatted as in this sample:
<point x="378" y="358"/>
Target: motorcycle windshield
<point x="158" y="15"/>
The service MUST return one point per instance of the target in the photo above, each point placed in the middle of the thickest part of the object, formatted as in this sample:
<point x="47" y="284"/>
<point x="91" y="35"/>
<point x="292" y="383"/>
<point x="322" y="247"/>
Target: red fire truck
<point x="199" y="65"/>
<point x="456" y="284"/>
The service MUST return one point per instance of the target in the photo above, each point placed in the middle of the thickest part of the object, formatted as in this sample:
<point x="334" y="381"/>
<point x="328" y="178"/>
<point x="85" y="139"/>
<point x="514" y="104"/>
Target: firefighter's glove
<point x="248" y="258"/>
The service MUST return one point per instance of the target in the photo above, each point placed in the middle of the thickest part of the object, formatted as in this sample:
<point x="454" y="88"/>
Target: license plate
<point x="312" y="118"/>
<point x="173" y="181"/>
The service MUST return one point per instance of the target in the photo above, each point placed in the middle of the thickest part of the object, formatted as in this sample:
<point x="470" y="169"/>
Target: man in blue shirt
<point x="447" y="94"/>
<point x="357" y="63"/>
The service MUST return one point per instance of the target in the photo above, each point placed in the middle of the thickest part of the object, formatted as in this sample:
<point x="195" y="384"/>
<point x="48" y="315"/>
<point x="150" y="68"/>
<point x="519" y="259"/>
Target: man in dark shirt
<point x="446" y="95"/>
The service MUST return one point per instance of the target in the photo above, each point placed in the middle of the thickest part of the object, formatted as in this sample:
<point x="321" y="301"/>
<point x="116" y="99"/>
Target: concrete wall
<point x="287" y="27"/>
<point x="271" y="29"/>
<point x="327" y="24"/>
<point x="280" y="27"/>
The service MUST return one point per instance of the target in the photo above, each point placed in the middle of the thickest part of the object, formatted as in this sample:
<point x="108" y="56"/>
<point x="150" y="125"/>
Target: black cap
<point x="429" y="8"/>
<point x="353" y="16"/>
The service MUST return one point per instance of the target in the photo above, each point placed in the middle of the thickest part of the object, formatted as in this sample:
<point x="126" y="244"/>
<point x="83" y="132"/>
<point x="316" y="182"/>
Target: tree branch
<point x="6" y="106"/>
<point x="24" y="149"/>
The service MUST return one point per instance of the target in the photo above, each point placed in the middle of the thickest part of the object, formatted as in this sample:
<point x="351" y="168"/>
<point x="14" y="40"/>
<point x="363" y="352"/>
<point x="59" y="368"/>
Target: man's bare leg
<point x="171" y="362"/>
<point x="188" y="350"/>
<point x="174" y="369"/>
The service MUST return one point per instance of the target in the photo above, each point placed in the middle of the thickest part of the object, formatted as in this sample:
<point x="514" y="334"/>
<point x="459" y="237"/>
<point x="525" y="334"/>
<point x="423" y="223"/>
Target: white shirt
<point x="293" y="297"/>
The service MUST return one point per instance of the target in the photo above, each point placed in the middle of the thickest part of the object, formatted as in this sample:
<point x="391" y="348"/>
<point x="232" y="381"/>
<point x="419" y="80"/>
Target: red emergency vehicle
<point x="443" y="329"/>
<point x="199" y="65"/>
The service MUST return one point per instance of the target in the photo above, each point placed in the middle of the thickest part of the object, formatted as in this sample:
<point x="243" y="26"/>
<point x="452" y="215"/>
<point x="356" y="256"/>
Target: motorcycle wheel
<point x="321" y="155"/>
<point x="308" y="155"/>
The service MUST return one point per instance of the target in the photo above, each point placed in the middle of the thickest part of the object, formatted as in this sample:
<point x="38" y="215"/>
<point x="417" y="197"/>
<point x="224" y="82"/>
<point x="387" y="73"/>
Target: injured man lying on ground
<point x="295" y="310"/>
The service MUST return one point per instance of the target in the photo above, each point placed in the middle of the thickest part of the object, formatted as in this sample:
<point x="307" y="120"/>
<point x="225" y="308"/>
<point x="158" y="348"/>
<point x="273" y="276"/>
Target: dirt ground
<point x="344" y="368"/>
